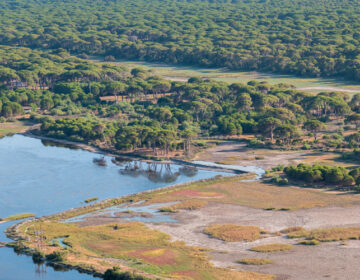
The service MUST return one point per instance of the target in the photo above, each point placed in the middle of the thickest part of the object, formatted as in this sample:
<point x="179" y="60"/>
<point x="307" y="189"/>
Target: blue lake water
<point x="44" y="179"/>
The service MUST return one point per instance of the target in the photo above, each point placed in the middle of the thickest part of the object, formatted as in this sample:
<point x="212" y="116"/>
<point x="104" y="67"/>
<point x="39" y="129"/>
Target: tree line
<point x="278" y="114"/>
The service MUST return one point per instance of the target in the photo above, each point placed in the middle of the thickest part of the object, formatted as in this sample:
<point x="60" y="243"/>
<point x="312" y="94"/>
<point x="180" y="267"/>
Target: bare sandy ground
<point x="325" y="261"/>
<point x="237" y="153"/>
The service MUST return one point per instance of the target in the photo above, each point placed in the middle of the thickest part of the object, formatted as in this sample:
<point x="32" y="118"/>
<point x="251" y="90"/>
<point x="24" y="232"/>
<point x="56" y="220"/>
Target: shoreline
<point x="13" y="233"/>
<point x="111" y="153"/>
<point x="109" y="202"/>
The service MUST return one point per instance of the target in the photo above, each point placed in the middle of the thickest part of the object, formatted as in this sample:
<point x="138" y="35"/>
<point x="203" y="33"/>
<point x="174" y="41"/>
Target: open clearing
<point x="183" y="73"/>
<point x="237" y="153"/>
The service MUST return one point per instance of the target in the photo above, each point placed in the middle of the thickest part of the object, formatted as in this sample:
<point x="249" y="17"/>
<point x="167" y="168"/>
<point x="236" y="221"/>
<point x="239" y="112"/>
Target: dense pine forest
<point x="306" y="38"/>
<point x="183" y="92"/>
<point x="44" y="71"/>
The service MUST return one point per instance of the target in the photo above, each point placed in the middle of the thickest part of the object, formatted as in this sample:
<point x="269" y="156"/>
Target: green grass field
<point x="221" y="74"/>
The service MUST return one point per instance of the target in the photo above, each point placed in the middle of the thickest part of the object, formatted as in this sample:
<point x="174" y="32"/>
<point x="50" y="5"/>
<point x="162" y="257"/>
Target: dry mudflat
<point x="236" y="153"/>
<point x="329" y="260"/>
<point x="240" y="202"/>
<point x="325" y="261"/>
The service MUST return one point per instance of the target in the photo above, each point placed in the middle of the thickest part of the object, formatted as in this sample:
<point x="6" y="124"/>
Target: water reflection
<point x="49" y="143"/>
<point x="40" y="269"/>
<point x="188" y="171"/>
<point x="153" y="171"/>
<point x="100" y="161"/>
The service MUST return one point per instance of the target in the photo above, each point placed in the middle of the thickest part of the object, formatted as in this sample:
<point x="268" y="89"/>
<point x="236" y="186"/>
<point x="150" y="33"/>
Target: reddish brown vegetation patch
<point x="155" y="256"/>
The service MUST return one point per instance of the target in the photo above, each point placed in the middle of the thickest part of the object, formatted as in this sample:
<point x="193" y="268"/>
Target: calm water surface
<point x="45" y="179"/>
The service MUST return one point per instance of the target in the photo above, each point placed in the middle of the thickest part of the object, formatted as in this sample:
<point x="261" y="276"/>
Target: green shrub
<point x="56" y="256"/>
<point x="332" y="175"/>
<point x="116" y="274"/>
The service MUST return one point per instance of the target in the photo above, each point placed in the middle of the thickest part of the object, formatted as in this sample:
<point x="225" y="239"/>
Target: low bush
<point x="279" y="180"/>
<point x="56" y="256"/>
<point x="116" y="274"/>
<point x="88" y="200"/>
<point x="309" y="242"/>
<point x="273" y="247"/>
<point x="327" y="235"/>
<point x="291" y="229"/>
<point x="255" y="261"/>
<point x="234" y="233"/>
<point x="38" y="257"/>
<point x="332" y="175"/>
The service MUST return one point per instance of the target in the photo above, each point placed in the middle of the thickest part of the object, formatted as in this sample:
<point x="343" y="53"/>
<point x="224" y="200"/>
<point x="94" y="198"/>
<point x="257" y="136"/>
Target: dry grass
<point x="292" y="229"/>
<point x="234" y="233"/>
<point x="191" y="204"/>
<point x="255" y="261"/>
<point x="273" y="247"/>
<point x="91" y="199"/>
<point x="309" y="242"/>
<point x="135" y="247"/>
<point x="327" y="235"/>
<point x="19" y="217"/>
<point x="256" y="195"/>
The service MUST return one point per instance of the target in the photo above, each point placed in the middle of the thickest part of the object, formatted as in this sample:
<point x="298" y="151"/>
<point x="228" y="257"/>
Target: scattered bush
<point x="234" y="233"/>
<point x="291" y="229"/>
<point x="255" y="261"/>
<point x="309" y="242"/>
<point x="327" y="235"/>
<point x="273" y="247"/>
